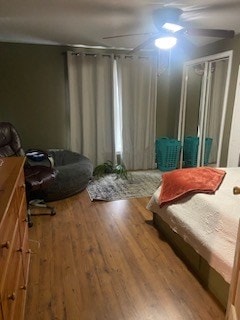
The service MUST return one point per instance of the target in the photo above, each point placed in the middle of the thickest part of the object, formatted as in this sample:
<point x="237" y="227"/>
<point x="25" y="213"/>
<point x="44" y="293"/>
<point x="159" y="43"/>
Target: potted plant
<point x="109" y="167"/>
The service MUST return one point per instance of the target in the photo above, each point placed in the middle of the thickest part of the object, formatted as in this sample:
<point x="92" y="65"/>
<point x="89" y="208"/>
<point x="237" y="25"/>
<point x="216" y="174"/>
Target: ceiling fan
<point x="172" y="30"/>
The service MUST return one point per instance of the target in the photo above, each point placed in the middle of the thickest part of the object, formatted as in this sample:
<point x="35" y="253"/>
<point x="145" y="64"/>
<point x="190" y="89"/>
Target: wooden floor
<point x="98" y="260"/>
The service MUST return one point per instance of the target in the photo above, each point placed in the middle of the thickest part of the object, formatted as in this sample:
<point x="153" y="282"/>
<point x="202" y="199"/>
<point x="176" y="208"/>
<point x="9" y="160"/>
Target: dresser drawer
<point x="11" y="281"/>
<point x="21" y="294"/>
<point x="25" y="255"/>
<point x="20" y="188"/>
<point x="7" y="224"/>
<point x="14" y="259"/>
<point x="22" y="217"/>
<point x="7" y="233"/>
<point x="1" y="313"/>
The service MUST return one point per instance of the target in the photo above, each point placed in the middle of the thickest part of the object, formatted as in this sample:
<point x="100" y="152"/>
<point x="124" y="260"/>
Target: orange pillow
<point x="182" y="182"/>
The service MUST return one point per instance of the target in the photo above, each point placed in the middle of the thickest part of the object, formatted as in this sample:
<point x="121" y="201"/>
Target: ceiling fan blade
<point x="217" y="33"/>
<point x="129" y="35"/>
<point x="227" y="5"/>
<point x="147" y="42"/>
<point x="186" y="45"/>
<point x="142" y="45"/>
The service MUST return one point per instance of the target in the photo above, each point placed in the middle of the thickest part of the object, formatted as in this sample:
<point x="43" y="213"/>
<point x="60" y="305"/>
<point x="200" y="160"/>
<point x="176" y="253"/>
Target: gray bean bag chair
<point x="74" y="173"/>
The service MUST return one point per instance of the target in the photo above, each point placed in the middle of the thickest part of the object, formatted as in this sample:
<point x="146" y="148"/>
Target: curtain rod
<point x="90" y="54"/>
<point x="108" y="54"/>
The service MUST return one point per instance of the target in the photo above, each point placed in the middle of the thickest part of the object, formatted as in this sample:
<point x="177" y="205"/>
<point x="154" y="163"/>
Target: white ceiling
<point x="86" y="22"/>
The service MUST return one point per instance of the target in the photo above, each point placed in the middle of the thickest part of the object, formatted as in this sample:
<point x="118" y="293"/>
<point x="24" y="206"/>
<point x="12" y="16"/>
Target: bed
<point x="202" y="228"/>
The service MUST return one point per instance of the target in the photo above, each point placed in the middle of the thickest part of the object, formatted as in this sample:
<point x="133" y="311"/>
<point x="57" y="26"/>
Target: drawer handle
<point x="5" y="245"/>
<point x="24" y="287"/>
<point x="12" y="296"/>
<point x="22" y="185"/>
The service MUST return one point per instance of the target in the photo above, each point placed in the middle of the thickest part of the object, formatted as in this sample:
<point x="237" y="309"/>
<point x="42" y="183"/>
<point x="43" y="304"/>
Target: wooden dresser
<point x="14" y="247"/>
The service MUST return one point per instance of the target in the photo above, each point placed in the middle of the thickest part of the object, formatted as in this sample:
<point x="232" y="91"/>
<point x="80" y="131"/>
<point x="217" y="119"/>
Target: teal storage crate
<point x="167" y="153"/>
<point x="190" y="151"/>
<point x="208" y="146"/>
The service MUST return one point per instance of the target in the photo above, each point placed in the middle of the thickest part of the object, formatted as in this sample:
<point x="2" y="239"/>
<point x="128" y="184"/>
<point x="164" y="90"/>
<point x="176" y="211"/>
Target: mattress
<point x="208" y="222"/>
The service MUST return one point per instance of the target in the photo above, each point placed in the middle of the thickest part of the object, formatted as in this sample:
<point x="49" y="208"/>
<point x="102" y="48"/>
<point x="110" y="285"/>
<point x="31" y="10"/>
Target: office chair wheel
<point x="28" y="219"/>
<point x="53" y="212"/>
<point x="30" y="224"/>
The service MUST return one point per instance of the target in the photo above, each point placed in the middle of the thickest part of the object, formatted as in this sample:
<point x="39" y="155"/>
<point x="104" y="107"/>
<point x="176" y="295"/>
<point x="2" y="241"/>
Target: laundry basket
<point x="208" y="145"/>
<point x="167" y="153"/>
<point x="190" y="151"/>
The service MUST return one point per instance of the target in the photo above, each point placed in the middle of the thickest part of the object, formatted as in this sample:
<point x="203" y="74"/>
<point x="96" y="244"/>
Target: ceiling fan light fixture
<point x="165" y="43"/>
<point x="172" y="27"/>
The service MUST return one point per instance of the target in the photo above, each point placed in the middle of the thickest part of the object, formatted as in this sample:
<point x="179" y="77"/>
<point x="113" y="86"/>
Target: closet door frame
<point x="227" y="55"/>
<point x="234" y="141"/>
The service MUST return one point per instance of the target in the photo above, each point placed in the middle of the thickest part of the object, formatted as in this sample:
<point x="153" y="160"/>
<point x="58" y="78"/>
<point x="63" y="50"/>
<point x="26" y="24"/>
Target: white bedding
<point x="207" y="222"/>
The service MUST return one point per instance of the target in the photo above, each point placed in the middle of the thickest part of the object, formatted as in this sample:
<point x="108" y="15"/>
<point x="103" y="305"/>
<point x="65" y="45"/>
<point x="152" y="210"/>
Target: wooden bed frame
<point x="233" y="307"/>
<point x="207" y="276"/>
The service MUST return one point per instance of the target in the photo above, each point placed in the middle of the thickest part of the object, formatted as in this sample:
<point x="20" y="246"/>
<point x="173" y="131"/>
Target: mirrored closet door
<point x="204" y="95"/>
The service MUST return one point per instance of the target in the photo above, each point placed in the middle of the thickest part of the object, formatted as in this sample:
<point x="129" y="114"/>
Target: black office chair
<point x="38" y="170"/>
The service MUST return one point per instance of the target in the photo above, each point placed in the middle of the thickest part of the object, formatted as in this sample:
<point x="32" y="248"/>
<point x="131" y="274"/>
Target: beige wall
<point x="169" y="92"/>
<point x="33" y="94"/>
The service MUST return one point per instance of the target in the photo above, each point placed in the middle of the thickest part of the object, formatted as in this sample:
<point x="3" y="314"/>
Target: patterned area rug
<point x="139" y="184"/>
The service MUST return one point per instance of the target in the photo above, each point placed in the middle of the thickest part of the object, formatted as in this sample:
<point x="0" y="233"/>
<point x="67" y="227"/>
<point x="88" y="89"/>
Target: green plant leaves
<point x="108" y="167"/>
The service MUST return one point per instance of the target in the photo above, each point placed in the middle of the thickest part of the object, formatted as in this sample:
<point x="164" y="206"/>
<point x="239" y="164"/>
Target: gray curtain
<point x="91" y="105"/>
<point x="137" y="86"/>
